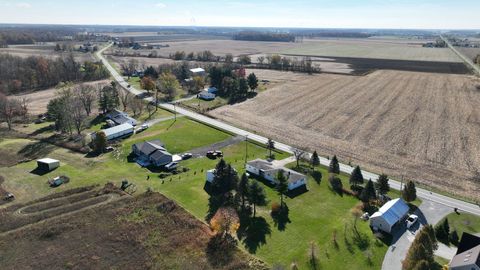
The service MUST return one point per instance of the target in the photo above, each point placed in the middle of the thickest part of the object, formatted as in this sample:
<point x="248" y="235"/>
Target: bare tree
<point x="9" y="109"/>
<point x="125" y="98"/>
<point x="137" y="105"/>
<point x="23" y="112"/>
<point x="87" y="95"/>
<point x="77" y="113"/>
<point x="299" y="154"/>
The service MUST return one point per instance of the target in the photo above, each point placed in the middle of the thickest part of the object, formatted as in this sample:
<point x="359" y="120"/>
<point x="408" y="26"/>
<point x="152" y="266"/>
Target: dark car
<point x="187" y="156"/>
<point x="218" y="153"/>
<point x="9" y="197"/>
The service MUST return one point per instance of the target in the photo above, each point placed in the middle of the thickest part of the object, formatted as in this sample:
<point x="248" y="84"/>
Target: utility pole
<point x="246" y="148"/>
<point x="175" y="111"/>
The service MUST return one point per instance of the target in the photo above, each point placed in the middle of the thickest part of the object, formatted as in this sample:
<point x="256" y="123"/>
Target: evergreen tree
<point x="442" y="231"/>
<point x="225" y="178"/>
<point x="256" y="196"/>
<point x="100" y="142"/>
<point x="315" y="160"/>
<point x="242" y="88"/>
<point x="382" y="185"/>
<point x="409" y="193"/>
<point x="368" y="193"/>
<point x="356" y="178"/>
<point x="270" y="146"/>
<point x="252" y="81"/>
<point x="242" y="189"/>
<point x="282" y="185"/>
<point x="454" y="238"/>
<point x="421" y="252"/>
<point x="334" y="166"/>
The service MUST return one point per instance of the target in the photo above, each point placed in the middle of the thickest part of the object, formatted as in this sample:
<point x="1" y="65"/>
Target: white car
<point x="412" y="219"/>
<point x="171" y="166"/>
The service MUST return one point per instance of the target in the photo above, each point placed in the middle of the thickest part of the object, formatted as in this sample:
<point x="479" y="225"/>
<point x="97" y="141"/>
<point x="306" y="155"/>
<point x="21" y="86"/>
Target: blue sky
<point x="416" y="14"/>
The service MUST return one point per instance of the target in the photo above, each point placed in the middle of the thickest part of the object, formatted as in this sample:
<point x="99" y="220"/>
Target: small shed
<point x="389" y="215"/>
<point x="197" y="72"/>
<point x="205" y="95"/>
<point x="48" y="164"/>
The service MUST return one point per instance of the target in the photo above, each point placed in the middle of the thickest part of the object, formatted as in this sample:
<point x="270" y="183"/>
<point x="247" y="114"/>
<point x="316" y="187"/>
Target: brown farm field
<point x="421" y="125"/>
<point x="46" y="50"/>
<point x="83" y="231"/>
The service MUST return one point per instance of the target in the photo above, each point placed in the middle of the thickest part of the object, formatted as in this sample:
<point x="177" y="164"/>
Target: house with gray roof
<point x="152" y="153"/>
<point x="119" y="117"/>
<point x="266" y="170"/>
<point x="468" y="253"/>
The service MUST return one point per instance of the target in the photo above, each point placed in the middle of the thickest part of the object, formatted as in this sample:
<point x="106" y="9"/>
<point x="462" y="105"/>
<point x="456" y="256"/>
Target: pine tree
<point x="242" y="189"/>
<point x="356" y="178"/>
<point x="368" y="193"/>
<point x="454" y="238"/>
<point x="256" y="196"/>
<point x="421" y="252"/>
<point x="225" y="178"/>
<point x="100" y="142"/>
<point x="334" y="166"/>
<point x="409" y="193"/>
<point x="252" y="81"/>
<point x="315" y="160"/>
<point x="382" y="185"/>
<point x="282" y="185"/>
<point x="270" y="146"/>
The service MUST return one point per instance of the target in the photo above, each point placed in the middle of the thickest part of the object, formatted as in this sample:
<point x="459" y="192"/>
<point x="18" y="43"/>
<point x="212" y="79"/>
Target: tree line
<point x="264" y="36"/>
<point x="19" y="74"/>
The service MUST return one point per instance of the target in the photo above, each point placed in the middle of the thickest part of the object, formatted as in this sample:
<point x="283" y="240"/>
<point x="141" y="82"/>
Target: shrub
<point x="317" y="176"/>
<point x="275" y="208"/>
<point x="336" y="183"/>
<point x="454" y="238"/>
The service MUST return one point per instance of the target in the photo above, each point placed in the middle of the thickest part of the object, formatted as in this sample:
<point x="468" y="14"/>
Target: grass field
<point x="379" y="121"/>
<point x="463" y="222"/>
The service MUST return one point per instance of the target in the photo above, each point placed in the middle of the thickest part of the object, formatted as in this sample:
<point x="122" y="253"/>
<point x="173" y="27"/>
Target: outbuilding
<point x="197" y="72"/>
<point x="205" y="95"/>
<point x="119" y="131"/>
<point x="48" y="164"/>
<point x="390" y="214"/>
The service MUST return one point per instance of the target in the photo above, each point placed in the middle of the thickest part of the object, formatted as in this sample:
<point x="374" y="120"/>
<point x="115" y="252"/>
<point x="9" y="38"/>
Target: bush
<point x="336" y="183"/>
<point x="317" y="176"/>
<point x="276" y="208"/>
<point x="454" y="238"/>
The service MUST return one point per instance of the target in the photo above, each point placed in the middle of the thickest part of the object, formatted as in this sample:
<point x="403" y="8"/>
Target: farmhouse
<point x="152" y="153"/>
<point x="48" y="164"/>
<point x="119" y="131"/>
<point x="205" y="95"/>
<point x="197" y="72"/>
<point x="468" y="253"/>
<point x="389" y="215"/>
<point x="119" y="117"/>
<point x="268" y="171"/>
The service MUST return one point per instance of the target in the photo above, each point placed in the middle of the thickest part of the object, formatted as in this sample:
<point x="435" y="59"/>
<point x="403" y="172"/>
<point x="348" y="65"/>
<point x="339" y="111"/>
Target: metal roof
<point x="116" y="129"/>
<point x="197" y="70"/>
<point x="392" y="211"/>
<point x="47" y="160"/>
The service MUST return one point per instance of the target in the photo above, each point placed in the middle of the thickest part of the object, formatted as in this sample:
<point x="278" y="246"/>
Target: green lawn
<point x="204" y="105"/>
<point x="463" y="222"/>
<point x="135" y="82"/>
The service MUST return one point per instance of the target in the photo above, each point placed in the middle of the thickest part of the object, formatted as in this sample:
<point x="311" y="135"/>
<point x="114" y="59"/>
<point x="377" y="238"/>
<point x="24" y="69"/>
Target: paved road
<point x="429" y="213"/>
<point x="421" y="193"/>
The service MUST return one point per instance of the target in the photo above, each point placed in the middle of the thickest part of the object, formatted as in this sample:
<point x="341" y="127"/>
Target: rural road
<point x="421" y="193"/>
<point x="465" y="59"/>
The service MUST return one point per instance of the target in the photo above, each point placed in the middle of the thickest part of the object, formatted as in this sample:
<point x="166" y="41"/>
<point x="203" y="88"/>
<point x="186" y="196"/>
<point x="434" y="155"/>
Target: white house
<point x="48" y="164"/>
<point x="118" y="131"/>
<point x="205" y="95"/>
<point x="389" y="215"/>
<point x="268" y="171"/>
<point x="197" y="72"/>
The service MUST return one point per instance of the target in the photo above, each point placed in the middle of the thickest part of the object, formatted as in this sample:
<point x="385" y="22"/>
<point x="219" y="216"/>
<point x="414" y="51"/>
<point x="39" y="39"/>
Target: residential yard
<point x="463" y="222"/>
<point x="201" y="105"/>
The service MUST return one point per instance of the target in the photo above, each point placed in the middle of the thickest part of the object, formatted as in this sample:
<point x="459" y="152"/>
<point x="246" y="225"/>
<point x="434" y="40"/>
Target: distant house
<point x="468" y="253"/>
<point x="268" y="171"/>
<point x="197" y="72"/>
<point x="47" y="164"/>
<point x="205" y="95"/>
<point x="119" y="131"/>
<point x="119" y="117"/>
<point x="390" y="214"/>
<point x="212" y="90"/>
<point x="152" y="153"/>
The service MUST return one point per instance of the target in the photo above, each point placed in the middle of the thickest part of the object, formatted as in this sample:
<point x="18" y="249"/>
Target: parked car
<point x="211" y="154"/>
<point x="186" y="156"/>
<point x="109" y="149"/>
<point x="218" y="153"/>
<point x="58" y="181"/>
<point x="9" y="197"/>
<point x="172" y="165"/>
<point x="412" y="219"/>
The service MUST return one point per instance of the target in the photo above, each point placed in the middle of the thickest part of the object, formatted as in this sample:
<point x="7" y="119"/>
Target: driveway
<point x="202" y="151"/>
<point x="428" y="212"/>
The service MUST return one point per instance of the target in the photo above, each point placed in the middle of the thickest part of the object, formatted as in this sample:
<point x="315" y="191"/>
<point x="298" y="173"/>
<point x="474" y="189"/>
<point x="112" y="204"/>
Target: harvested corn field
<point x="422" y="125"/>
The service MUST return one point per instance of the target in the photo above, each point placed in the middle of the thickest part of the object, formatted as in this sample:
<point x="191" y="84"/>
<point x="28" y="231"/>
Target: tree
<point x="409" y="192"/>
<point x="147" y="83"/>
<point x="368" y="193"/>
<point x="137" y="105"/>
<point x="454" y="238"/>
<point x="244" y="60"/>
<point x="299" y="154"/>
<point x="256" y="196"/>
<point x="334" y="166"/>
<point x="125" y="98"/>
<point x="198" y="84"/>
<point x="242" y="89"/>
<point x="225" y="221"/>
<point x="442" y="231"/>
<point x="168" y="85"/>
<point x="314" y="160"/>
<point x="270" y="145"/>
<point x="242" y="188"/>
<point x="87" y="94"/>
<point x="356" y="178"/>
<point x="78" y="114"/>
<point x="335" y="183"/>
<point x="225" y="178"/>
<point x="382" y="185"/>
<point x="108" y="98"/>
<point x="281" y="186"/>
<point x="313" y="256"/>
<point x="252" y="81"/>
<point x="100" y="142"/>
<point x="229" y="58"/>
<point x="151" y="72"/>
<point x="261" y="59"/>
<point x="9" y="109"/>
<point x="421" y="253"/>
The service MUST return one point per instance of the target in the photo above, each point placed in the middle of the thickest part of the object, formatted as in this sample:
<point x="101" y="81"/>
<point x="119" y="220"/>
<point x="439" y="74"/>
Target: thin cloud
<point x="160" y="5"/>
<point x="23" y="5"/>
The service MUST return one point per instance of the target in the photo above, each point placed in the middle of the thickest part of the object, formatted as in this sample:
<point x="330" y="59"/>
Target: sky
<point x="397" y="14"/>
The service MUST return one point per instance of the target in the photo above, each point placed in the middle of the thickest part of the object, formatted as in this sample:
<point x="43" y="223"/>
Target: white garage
<point x="388" y="215"/>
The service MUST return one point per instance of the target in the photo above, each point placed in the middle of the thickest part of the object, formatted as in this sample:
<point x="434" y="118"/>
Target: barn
<point x="390" y="214"/>
<point x="48" y="164"/>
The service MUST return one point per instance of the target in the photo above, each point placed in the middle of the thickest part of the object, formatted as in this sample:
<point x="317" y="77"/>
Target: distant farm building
<point x="48" y="164"/>
<point x="152" y="153"/>
<point x="119" y="131"/>
<point x="119" y="117"/>
<point x="390" y="214"/>
<point x="212" y="90"/>
<point x="197" y="72"/>
<point x="266" y="170"/>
